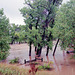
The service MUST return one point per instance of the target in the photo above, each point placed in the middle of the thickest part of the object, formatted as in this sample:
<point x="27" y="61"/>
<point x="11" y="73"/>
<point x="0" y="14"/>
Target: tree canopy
<point x="64" y="28"/>
<point x="4" y="32"/>
<point x="40" y="14"/>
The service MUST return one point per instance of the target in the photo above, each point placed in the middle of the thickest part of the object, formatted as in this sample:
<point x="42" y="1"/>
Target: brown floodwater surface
<point x="62" y="64"/>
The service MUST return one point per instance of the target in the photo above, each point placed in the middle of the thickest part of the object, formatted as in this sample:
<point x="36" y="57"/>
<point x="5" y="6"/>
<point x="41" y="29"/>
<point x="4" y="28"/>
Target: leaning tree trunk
<point x="55" y="47"/>
<point x="50" y="37"/>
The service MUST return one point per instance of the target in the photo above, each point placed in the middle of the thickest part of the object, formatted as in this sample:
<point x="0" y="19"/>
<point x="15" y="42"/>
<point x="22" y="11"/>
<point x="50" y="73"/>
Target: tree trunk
<point x="40" y="51"/>
<point x="47" y="50"/>
<point x="35" y="49"/>
<point x="30" y="27"/>
<point x="55" y="47"/>
<point x="30" y="49"/>
<point x="50" y="37"/>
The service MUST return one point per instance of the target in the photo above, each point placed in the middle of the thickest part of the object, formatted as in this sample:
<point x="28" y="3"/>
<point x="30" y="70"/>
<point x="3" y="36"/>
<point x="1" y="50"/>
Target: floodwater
<point x="62" y="63"/>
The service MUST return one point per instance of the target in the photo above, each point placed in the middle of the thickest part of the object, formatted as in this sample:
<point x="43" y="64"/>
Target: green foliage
<point x="4" y="46"/>
<point x="64" y="28"/>
<point x="4" y="32"/>
<point x="17" y="33"/>
<point x="39" y="14"/>
<point x="31" y="34"/>
<point x="16" y="60"/>
<point x="45" y="67"/>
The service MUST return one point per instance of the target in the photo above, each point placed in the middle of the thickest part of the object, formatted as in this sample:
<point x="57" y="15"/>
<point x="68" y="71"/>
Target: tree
<point x="64" y="28"/>
<point x="17" y="33"/>
<point x="4" y="32"/>
<point x="40" y="14"/>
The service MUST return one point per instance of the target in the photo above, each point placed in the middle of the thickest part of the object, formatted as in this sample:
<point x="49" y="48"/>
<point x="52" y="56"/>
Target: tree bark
<point x="50" y="37"/>
<point x="30" y="49"/>
<point x="30" y="27"/>
<point x="35" y="49"/>
<point x="39" y="50"/>
<point x="55" y="47"/>
<point x="47" y="50"/>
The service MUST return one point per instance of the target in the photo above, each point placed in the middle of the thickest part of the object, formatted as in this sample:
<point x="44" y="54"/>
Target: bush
<point x="4" y="49"/>
<point x="16" y="60"/>
<point x="4" y="33"/>
<point x="44" y="67"/>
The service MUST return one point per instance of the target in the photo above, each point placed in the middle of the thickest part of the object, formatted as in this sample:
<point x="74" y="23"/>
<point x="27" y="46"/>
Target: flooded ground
<point x="62" y="63"/>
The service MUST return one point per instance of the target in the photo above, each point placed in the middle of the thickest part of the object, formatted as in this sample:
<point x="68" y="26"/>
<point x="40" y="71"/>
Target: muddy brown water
<point x="62" y="63"/>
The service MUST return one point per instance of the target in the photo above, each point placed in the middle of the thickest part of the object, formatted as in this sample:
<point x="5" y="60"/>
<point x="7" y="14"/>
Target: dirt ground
<point x="62" y="64"/>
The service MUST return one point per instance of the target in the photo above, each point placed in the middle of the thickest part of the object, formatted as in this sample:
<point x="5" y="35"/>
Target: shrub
<point x="44" y="67"/>
<point x="4" y="34"/>
<point x="16" y="60"/>
<point x="4" y="49"/>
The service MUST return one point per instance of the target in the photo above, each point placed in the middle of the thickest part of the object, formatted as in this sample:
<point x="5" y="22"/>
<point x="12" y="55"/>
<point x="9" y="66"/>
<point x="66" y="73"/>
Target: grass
<point x="6" y="69"/>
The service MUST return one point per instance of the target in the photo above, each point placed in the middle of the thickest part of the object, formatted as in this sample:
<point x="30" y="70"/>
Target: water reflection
<point x="30" y="58"/>
<point x="56" y="64"/>
<point x="47" y="59"/>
